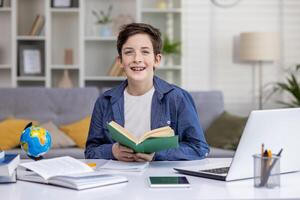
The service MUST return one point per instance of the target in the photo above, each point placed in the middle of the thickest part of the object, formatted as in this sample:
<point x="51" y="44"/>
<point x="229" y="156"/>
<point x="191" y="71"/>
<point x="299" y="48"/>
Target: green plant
<point x="170" y="47"/>
<point x="290" y="86"/>
<point x="103" y="18"/>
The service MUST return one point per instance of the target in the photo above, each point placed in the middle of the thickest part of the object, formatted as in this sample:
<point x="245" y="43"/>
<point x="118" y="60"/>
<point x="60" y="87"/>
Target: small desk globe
<point x="35" y="141"/>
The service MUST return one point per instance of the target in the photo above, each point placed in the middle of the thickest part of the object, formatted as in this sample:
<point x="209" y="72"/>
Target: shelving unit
<point x="6" y="45"/>
<point x="74" y="29"/>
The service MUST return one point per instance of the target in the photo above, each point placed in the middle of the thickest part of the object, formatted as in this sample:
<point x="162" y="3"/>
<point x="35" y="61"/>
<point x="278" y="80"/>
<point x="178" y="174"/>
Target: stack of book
<point x="8" y="166"/>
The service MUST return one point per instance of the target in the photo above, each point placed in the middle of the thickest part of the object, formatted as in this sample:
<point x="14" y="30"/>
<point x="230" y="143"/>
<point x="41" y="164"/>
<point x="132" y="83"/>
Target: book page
<point x="57" y="166"/>
<point x="165" y="131"/>
<point x="123" y="131"/>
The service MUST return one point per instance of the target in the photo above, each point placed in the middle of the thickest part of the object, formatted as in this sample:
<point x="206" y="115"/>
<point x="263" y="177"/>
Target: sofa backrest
<point x="64" y="106"/>
<point x="209" y="104"/>
<point x="61" y="106"/>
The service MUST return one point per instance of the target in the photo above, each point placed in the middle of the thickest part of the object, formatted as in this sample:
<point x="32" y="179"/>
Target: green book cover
<point x="152" y="141"/>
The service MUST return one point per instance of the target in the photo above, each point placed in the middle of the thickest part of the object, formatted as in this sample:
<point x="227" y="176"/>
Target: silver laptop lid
<point x="277" y="129"/>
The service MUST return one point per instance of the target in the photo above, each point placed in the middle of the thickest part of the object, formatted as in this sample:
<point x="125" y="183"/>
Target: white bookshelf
<point x="74" y="28"/>
<point x="5" y="9"/>
<point x="6" y="45"/>
<point x="31" y="38"/>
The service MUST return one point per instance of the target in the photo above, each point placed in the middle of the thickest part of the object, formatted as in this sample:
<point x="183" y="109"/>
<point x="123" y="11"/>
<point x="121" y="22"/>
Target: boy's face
<point x="138" y="59"/>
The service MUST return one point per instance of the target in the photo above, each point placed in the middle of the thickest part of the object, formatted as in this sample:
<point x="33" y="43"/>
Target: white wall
<point x="210" y="58"/>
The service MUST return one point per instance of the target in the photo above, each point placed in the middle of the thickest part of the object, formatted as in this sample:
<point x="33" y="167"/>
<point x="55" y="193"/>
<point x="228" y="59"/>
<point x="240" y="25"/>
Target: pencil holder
<point x="266" y="171"/>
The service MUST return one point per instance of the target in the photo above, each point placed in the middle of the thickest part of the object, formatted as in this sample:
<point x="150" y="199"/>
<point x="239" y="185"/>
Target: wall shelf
<point x="30" y="78"/>
<point x="5" y="66"/>
<point x="156" y="10"/>
<point x="104" y="78"/>
<point x="95" y="38"/>
<point x="5" y="9"/>
<point x="31" y="37"/>
<point x="63" y="67"/>
<point x="65" y="10"/>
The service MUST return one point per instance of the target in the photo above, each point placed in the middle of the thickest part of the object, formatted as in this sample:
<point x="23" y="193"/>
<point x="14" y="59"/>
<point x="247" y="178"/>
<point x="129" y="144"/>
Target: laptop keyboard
<point x="221" y="170"/>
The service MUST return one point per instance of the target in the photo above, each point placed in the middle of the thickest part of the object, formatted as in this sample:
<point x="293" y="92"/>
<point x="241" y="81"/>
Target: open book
<point x="152" y="141"/>
<point x="66" y="172"/>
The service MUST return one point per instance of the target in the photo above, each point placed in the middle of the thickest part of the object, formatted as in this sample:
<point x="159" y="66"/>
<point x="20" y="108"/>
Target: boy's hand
<point x="122" y="153"/>
<point x="143" y="157"/>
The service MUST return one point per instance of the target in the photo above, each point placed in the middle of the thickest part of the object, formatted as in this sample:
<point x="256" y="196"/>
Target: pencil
<point x="262" y="149"/>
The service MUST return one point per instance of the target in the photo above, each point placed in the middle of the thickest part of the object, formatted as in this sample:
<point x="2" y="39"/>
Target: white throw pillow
<point x="59" y="138"/>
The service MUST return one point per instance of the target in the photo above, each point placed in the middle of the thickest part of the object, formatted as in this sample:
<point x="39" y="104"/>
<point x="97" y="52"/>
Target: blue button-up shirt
<point x="171" y="106"/>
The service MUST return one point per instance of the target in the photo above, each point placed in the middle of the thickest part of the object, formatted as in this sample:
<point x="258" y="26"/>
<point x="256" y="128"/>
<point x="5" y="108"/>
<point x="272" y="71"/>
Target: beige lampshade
<point x="258" y="46"/>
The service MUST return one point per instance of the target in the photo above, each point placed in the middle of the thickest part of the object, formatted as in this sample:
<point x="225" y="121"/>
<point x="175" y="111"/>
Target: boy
<point x="144" y="102"/>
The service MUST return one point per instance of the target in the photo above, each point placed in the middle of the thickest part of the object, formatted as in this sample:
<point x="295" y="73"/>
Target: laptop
<point x="278" y="128"/>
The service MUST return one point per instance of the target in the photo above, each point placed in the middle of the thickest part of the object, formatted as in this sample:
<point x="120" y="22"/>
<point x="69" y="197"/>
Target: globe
<point x="35" y="141"/>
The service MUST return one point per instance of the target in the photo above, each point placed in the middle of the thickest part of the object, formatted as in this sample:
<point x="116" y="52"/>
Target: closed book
<point x="37" y="25"/>
<point x="9" y="164"/>
<point x="66" y="172"/>
<point x="152" y="141"/>
<point x="9" y="179"/>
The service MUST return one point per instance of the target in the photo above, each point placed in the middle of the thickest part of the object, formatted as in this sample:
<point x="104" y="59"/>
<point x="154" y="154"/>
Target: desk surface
<point x="137" y="187"/>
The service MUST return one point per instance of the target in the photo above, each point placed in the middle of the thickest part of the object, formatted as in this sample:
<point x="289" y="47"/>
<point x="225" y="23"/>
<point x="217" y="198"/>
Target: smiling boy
<point x="144" y="102"/>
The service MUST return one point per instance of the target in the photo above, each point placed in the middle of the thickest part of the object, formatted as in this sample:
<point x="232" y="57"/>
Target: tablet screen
<point x="168" y="181"/>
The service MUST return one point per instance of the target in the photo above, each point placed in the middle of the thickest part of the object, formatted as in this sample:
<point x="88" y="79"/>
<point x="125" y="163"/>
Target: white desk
<point x="137" y="187"/>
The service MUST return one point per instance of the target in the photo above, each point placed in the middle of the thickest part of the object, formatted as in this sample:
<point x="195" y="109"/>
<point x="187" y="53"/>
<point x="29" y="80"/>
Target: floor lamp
<point x="259" y="47"/>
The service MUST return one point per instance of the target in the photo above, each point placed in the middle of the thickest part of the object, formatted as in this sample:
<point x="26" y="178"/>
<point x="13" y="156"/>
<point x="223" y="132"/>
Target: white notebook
<point x="125" y="166"/>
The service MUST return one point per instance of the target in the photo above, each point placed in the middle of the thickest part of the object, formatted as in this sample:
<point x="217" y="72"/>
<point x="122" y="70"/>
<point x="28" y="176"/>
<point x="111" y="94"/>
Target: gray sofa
<point x="63" y="106"/>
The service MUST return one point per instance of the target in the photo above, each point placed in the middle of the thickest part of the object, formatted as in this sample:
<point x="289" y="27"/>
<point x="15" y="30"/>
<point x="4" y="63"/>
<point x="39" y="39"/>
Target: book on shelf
<point x="116" y="165"/>
<point x="152" y="141"/>
<point x="115" y="69"/>
<point x="37" y="25"/>
<point x="9" y="164"/>
<point x="66" y="172"/>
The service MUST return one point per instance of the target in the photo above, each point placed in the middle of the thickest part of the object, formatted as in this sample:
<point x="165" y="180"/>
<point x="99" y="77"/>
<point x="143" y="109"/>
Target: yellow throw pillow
<point x="10" y="132"/>
<point x="78" y="131"/>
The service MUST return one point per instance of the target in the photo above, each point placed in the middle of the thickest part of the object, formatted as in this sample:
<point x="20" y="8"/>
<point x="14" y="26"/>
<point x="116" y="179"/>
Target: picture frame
<point x="31" y="60"/>
<point x="61" y="3"/>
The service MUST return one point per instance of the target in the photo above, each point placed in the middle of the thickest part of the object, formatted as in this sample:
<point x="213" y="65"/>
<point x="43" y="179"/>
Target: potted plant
<point x="169" y="49"/>
<point x="291" y="86"/>
<point x="103" y="21"/>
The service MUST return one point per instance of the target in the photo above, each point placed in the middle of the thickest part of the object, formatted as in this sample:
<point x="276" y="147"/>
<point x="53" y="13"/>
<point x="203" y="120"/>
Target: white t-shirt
<point x="137" y="112"/>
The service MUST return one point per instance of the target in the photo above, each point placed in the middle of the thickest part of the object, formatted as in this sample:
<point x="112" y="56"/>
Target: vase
<point x="65" y="81"/>
<point x="105" y="30"/>
<point x="168" y="61"/>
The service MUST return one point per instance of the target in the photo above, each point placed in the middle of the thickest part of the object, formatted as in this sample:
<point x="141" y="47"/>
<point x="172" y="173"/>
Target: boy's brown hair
<point x="139" y="28"/>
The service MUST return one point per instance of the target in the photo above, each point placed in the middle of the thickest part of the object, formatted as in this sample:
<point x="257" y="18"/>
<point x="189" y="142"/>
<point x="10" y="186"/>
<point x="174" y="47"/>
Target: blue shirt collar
<point x="161" y="87"/>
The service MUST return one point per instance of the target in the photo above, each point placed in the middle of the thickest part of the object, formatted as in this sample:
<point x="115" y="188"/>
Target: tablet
<point x="168" y="181"/>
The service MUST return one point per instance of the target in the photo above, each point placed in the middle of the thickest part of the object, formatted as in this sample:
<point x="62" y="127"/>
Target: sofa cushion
<point x="59" y="138"/>
<point x="225" y="132"/>
<point x="10" y="132"/>
<point x="210" y="106"/>
<point x="61" y="106"/>
<point x="78" y="131"/>
<point x="73" y="152"/>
